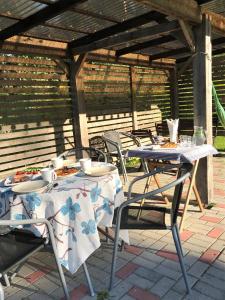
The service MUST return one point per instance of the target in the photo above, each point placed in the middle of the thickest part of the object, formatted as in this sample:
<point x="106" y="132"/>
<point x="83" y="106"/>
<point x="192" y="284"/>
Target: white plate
<point x="8" y="181"/>
<point x="38" y="186"/>
<point x="100" y="170"/>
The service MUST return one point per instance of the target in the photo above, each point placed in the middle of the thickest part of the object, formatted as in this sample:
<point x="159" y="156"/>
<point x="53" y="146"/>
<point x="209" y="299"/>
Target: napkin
<point x="173" y="129"/>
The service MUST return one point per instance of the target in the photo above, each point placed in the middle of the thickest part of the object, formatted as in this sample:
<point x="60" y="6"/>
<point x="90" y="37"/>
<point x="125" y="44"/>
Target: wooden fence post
<point x="133" y="89"/>
<point x="202" y="81"/>
<point x="80" y="128"/>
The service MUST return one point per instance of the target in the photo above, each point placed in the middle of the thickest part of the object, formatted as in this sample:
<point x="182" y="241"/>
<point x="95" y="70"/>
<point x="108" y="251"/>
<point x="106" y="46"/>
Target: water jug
<point x="199" y="136"/>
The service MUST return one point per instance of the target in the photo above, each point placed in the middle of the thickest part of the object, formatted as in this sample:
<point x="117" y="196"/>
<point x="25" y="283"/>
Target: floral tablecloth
<point x="75" y="207"/>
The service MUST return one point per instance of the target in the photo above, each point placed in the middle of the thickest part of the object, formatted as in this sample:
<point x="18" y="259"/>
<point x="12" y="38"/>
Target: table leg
<point x="92" y="293"/>
<point x="191" y="186"/>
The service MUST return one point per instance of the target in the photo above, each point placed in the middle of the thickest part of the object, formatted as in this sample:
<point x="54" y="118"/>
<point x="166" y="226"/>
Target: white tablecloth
<point x="181" y="154"/>
<point x="75" y="207"/>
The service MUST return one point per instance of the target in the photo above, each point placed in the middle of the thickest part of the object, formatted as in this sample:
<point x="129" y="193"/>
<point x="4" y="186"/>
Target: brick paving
<point x="147" y="269"/>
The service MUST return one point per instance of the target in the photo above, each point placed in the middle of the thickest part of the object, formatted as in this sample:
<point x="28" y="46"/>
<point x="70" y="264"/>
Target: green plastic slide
<point x="219" y="108"/>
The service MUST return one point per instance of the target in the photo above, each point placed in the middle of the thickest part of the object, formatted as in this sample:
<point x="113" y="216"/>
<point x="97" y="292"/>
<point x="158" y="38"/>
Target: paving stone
<point x="180" y="286"/>
<point x="120" y="290"/>
<point x="185" y="235"/>
<point x="162" y="286"/>
<point x="172" y="295"/>
<point x="149" y="274"/>
<point x="144" y="263"/>
<point x="127" y="297"/>
<point x="140" y="294"/>
<point x="211" y="219"/>
<point x="167" y="254"/>
<point x="197" y="296"/>
<point x="128" y="269"/>
<point x="79" y="292"/>
<point x="134" y="250"/>
<point x="139" y="281"/>
<point x="209" y="256"/>
<point x="206" y="289"/>
<point x="148" y="255"/>
<point x="198" y="269"/>
<point x="168" y="272"/>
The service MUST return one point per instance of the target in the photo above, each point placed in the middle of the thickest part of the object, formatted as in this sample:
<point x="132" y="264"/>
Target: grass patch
<point x="219" y="143"/>
<point x="133" y="162"/>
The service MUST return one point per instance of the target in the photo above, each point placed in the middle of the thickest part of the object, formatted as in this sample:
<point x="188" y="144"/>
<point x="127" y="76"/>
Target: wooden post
<point x="174" y="101"/>
<point x="202" y="77"/>
<point x="133" y="97"/>
<point x="80" y="128"/>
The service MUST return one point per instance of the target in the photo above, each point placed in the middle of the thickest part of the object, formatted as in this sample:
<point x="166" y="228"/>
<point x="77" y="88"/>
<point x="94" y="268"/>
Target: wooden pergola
<point x="151" y="32"/>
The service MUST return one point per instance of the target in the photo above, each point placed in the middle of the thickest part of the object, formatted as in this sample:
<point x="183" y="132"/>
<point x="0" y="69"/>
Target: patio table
<point x="181" y="154"/>
<point x="75" y="208"/>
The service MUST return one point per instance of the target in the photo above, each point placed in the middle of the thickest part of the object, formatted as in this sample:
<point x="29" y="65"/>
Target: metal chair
<point x="115" y="148"/>
<point x="81" y="152"/>
<point x="17" y="245"/>
<point x="143" y="134"/>
<point x="152" y="217"/>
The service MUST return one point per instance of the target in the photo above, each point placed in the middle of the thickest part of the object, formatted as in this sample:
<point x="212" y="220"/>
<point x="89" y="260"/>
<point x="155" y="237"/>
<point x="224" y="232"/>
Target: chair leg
<point x="180" y="256"/>
<point x="61" y="274"/>
<point x="115" y="250"/>
<point x="92" y="293"/>
<point x="124" y="171"/>
<point x="6" y="279"/>
<point x="179" y="240"/>
<point x="1" y="292"/>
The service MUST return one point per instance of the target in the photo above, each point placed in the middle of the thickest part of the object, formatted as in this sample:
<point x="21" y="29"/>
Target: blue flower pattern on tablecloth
<point x="70" y="208"/>
<point x="22" y="217"/>
<point x="33" y="200"/>
<point x="106" y="206"/>
<point x="95" y="192"/>
<point x="89" y="227"/>
<point x="118" y="186"/>
<point x="70" y="231"/>
<point x="64" y="262"/>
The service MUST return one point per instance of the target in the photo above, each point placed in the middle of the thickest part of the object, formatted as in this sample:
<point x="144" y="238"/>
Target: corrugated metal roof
<point x="79" y="22"/>
<point x="20" y="8"/>
<point x="6" y="22"/>
<point x="119" y="10"/>
<point x="88" y="17"/>
<point x="46" y="32"/>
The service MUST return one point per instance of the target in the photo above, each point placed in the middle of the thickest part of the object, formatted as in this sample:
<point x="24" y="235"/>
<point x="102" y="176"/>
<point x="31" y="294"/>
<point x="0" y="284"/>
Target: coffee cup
<point x="85" y="163"/>
<point x="48" y="174"/>
<point x="57" y="162"/>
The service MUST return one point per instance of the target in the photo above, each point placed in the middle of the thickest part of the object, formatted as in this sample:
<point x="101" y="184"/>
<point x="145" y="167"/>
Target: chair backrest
<point x="85" y="152"/>
<point x="143" y="133"/>
<point x="97" y="142"/>
<point x="183" y="172"/>
<point x="113" y="136"/>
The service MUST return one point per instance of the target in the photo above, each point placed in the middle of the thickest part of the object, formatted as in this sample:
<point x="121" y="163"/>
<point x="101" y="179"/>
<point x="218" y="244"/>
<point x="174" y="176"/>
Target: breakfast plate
<point x="66" y="172"/>
<point x="100" y="170"/>
<point x="38" y="186"/>
<point x="22" y="176"/>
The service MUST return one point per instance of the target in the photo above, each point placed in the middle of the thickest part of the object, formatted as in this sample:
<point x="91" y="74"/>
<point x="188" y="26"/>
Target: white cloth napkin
<point x="173" y="129"/>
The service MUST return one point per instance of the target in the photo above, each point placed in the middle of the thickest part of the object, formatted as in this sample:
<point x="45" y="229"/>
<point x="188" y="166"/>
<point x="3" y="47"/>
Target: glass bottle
<point x="199" y="136"/>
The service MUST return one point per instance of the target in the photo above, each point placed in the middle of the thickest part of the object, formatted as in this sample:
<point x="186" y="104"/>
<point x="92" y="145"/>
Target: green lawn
<point x="219" y="143"/>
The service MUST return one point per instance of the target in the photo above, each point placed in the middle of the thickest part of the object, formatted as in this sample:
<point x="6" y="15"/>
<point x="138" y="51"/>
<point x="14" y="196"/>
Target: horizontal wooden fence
<point x="36" y="107"/>
<point x="185" y="88"/>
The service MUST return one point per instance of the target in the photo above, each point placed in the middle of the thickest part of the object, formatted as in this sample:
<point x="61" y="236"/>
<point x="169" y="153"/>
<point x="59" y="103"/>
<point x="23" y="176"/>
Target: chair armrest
<point x="112" y="143"/>
<point x="159" y="190"/>
<point x="136" y="139"/>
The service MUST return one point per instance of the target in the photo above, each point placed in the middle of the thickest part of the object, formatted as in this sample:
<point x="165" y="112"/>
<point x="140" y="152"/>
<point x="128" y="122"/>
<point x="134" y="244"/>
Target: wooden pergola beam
<point x="80" y="127"/>
<point x="144" y="45"/>
<point x="189" y="36"/>
<point x="170" y="53"/>
<point x="187" y="10"/>
<point x="36" y="19"/>
<point x="115" y="29"/>
<point x="128" y="37"/>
